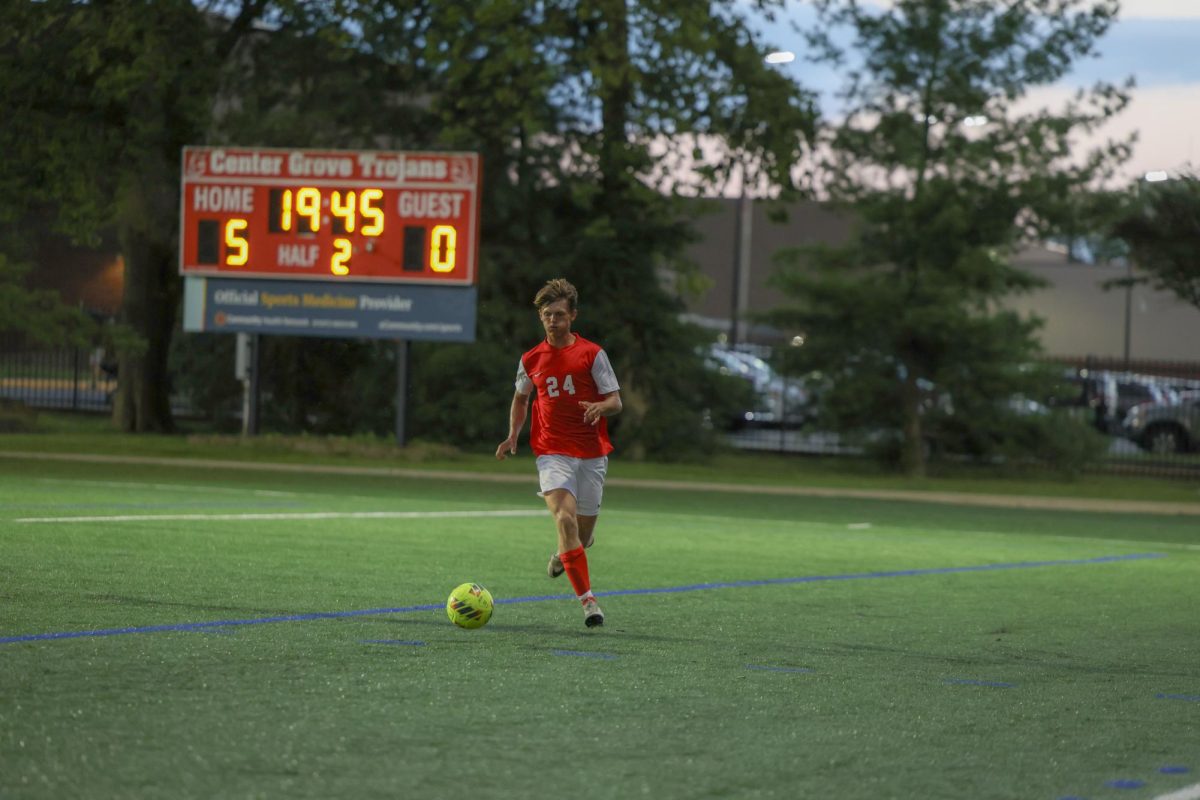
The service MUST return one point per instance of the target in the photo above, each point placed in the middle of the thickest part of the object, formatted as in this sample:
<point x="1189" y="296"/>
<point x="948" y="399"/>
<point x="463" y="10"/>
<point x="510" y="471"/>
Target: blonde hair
<point x="554" y="290"/>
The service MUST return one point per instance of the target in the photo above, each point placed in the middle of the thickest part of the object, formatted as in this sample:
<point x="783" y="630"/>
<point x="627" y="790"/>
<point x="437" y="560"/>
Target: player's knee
<point x="566" y="520"/>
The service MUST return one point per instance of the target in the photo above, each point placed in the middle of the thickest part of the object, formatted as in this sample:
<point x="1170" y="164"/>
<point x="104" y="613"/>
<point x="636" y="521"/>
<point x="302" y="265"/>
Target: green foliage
<point x="103" y="97"/>
<point x="38" y="314"/>
<point x="569" y="103"/>
<point x="203" y="368"/>
<point x="328" y="386"/>
<point x="913" y="303"/>
<point x="460" y="394"/>
<point x="1162" y="231"/>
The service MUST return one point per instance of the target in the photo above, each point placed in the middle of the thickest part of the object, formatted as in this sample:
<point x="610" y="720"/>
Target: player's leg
<point x="587" y="532"/>
<point x="556" y="473"/>
<point x="587" y="528"/>
<point x="572" y="555"/>
<point x="561" y="503"/>
<point x="590" y="481"/>
<point x="590" y="490"/>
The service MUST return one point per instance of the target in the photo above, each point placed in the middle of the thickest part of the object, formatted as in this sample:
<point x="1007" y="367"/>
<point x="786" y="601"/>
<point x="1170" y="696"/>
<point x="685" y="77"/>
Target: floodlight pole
<point x="740" y="290"/>
<point x="1128" y="307"/>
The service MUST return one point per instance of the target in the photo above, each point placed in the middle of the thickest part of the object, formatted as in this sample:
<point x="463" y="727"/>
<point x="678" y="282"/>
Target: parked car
<point x="1109" y="396"/>
<point x="1094" y="393"/>
<point x="1170" y="427"/>
<point x="776" y="400"/>
<point x="1135" y="390"/>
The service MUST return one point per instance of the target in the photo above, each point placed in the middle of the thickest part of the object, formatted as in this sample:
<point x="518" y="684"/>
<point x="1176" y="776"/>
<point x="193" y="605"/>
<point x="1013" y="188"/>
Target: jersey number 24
<point x="552" y="389"/>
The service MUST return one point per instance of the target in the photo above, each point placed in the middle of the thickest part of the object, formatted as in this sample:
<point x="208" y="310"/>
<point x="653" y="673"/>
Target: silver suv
<point x="1166" y="427"/>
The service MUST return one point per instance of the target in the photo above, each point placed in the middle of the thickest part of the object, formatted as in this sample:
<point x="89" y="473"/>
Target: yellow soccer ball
<point x="470" y="606"/>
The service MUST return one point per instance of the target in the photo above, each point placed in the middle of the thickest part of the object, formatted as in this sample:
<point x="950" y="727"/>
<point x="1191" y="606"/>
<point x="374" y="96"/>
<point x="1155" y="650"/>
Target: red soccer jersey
<point x="564" y="376"/>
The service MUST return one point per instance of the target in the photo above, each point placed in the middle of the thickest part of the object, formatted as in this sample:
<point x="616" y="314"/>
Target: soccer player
<point x="576" y="390"/>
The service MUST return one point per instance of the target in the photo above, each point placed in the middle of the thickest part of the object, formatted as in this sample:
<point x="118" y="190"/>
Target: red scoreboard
<point x="363" y="215"/>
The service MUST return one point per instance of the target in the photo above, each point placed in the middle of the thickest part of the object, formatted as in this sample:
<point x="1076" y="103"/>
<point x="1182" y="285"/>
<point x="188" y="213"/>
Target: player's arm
<point x="516" y="420"/>
<point x="606" y="382"/>
<point x="610" y="406"/>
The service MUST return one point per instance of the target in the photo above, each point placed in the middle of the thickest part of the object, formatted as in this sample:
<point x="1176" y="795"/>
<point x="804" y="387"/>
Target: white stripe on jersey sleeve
<point x="603" y="375"/>
<point x="522" y="384"/>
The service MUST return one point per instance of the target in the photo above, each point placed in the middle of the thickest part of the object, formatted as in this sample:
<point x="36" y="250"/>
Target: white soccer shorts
<point x="582" y="477"/>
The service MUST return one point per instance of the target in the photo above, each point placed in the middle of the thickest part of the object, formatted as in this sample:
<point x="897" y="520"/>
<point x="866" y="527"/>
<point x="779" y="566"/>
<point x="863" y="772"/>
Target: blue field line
<point x="1125" y="783"/>
<point x="902" y="573"/>
<point x="694" y="587"/>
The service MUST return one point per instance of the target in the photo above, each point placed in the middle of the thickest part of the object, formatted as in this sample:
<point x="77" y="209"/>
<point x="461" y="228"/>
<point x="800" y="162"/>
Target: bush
<point x="1051" y="439"/>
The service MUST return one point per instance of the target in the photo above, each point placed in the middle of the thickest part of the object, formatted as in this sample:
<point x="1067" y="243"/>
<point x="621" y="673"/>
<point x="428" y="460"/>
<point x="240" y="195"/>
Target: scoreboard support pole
<point x="402" y="346"/>
<point x="246" y="370"/>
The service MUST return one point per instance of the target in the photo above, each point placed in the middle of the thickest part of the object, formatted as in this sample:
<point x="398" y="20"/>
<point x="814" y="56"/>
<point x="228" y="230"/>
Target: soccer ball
<point x="470" y="606"/>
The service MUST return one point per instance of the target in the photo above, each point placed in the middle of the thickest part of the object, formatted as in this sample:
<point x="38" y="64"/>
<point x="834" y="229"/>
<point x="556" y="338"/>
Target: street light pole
<point x="1153" y="176"/>
<point x="740" y="292"/>
<point x="1128" y="307"/>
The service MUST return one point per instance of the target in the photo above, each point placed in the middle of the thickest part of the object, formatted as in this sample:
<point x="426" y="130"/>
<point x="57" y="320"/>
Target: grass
<point x="921" y="653"/>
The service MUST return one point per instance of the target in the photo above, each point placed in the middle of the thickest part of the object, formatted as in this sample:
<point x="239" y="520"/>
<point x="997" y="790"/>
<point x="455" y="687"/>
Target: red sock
<point x="575" y="564"/>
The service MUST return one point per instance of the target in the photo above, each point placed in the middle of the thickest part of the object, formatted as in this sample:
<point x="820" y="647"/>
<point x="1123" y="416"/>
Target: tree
<point x="101" y="98"/>
<point x="38" y="314"/>
<point x="944" y="177"/>
<point x="1162" y="231"/>
<point x="571" y="103"/>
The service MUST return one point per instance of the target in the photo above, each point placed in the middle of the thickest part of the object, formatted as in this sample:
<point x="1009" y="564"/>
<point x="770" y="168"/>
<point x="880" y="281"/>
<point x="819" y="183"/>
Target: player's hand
<point x="507" y="447"/>
<point x="592" y="412"/>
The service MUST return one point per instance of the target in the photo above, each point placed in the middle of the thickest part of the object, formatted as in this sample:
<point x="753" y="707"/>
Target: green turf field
<point x="263" y="634"/>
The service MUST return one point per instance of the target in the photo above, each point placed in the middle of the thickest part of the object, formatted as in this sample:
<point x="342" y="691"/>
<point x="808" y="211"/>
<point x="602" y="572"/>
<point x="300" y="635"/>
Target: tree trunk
<point x="614" y="73"/>
<point x="148" y="308"/>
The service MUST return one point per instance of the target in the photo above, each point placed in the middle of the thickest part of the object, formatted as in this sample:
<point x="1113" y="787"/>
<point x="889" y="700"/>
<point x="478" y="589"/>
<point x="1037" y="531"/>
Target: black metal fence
<point x="71" y="379"/>
<point x="1147" y="411"/>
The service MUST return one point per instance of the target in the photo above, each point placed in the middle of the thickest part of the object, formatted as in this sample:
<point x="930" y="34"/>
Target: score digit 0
<point x="443" y="239"/>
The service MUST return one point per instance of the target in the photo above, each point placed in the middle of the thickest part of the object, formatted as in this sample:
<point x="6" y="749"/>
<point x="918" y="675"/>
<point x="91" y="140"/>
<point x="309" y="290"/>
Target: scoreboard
<point x="334" y="215"/>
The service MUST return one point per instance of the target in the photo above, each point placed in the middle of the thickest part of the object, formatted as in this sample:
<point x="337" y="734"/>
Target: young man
<point x="576" y="391"/>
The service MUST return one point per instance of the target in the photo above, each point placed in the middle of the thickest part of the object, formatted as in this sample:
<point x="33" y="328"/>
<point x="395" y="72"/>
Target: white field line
<point x="1186" y="793"/>
<point x="296" y="515"/>
<point x="947" y="498"/>
<point x="172" y="487"/>
<point x="882" y="530"/>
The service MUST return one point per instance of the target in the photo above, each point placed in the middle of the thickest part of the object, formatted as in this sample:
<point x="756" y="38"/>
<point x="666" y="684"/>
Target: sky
<point x="1157" y="42"/>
